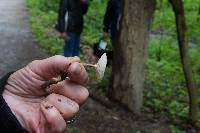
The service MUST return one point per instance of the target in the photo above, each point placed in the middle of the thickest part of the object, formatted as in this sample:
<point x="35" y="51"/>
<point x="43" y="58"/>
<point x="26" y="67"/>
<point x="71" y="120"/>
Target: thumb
<point x="53" y="66"/>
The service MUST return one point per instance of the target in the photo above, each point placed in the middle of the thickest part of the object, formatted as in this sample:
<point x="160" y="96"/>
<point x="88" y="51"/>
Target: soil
<point x="95" y="118"/>
<point x="18" y="48"/>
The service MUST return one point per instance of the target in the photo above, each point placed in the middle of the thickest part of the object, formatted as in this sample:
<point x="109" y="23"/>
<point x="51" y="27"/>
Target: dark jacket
<point x="111" y="17"/>
<point x="75" y="10"/>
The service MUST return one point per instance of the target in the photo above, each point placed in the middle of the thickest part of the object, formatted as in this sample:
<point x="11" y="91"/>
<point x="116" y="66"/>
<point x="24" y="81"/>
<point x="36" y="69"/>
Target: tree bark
<point x="178" y="9"/>
<point x="198" y="18"/>
<point x="130" y="52"/>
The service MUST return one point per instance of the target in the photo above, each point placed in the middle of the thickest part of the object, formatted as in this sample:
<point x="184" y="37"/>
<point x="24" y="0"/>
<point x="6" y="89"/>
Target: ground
<point x="18" y="48"/>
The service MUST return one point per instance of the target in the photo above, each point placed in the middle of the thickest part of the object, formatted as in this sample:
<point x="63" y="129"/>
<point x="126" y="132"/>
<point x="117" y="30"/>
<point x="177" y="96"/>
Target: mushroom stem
<point x="89" y="65"/>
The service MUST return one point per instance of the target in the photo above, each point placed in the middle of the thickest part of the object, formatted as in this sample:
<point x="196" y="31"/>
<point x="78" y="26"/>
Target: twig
<point x="89" y="65"/>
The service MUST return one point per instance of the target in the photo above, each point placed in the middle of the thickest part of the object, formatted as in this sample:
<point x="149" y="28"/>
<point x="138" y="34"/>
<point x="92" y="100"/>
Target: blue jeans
<point x="72" y="45"/>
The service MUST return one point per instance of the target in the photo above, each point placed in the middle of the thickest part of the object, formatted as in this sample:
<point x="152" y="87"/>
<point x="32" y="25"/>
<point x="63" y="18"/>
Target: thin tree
<point x="130" y="52"/>
<point x="178" y="9"/>
<point x="198" y="17"/>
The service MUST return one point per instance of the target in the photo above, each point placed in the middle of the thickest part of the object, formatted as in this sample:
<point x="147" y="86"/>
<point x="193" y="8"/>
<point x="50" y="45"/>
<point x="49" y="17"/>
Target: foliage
<point x="174" y="129"/>
<point x="43" y="20"/>
<point x="94" y="21"/>
<point x="73" y="130"/>
<point x="165" y="84"/>
<point x="165" y="20"/>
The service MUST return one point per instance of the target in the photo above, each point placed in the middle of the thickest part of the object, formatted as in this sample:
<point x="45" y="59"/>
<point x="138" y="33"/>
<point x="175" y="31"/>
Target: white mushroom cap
<point x="101" y="66"/>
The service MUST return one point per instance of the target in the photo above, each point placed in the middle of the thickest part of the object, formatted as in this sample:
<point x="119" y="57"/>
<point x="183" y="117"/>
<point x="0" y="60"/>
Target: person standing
<point x="110" y="28"/>
<point x="70" y="24"/>
<point x="111" y="19"/>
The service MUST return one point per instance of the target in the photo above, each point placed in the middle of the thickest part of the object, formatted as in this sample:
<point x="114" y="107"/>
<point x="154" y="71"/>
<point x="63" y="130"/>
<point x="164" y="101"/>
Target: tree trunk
<point x="185" y="59"/>
<point x="198" y="17"/>
<point x="130" y="52"/>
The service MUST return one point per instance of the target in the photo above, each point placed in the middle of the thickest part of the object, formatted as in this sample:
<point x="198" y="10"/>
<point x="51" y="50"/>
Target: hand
<point x="105" y="35"/>
<point x="47" y="112"/>
<point x="63" y="36"/>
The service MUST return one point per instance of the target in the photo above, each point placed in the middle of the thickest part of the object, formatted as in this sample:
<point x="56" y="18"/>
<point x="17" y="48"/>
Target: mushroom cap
<point x="101" y="66"/>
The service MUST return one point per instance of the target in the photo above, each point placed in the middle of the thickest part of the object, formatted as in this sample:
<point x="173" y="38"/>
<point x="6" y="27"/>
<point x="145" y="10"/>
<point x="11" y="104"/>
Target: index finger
<point x="77" y="73"/>
<point x="53" y="66"/>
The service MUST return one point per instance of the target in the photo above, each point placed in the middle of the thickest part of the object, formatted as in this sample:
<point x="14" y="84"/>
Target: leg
<point x="76" y="45"/>
<point x="69" y="44"/>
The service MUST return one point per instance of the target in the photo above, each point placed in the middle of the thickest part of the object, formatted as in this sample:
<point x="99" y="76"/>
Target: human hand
<point x="63" y="35"/>
<point x="40" y="111"/>
<point x="105" y="35"/>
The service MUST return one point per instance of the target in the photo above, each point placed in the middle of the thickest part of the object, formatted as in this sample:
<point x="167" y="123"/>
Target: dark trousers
<point x="72" y="45"/>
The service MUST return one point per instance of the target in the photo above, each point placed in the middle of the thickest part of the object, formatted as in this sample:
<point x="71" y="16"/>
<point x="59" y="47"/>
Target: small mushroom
<point x="99" y="67"/>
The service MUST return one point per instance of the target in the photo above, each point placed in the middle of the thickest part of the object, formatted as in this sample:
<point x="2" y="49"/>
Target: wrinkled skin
<point x="41" y="111"/>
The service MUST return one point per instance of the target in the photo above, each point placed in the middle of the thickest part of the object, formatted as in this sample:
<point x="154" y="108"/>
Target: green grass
<point x="43" y="20"/>
<point x="166" y="90"/>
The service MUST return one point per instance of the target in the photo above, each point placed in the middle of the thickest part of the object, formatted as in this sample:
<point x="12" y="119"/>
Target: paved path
<point x="17" y="46"/>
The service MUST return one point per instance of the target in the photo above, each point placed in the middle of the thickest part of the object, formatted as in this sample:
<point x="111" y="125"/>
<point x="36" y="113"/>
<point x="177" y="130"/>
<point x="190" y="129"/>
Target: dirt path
<point x="18" y="48"/>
